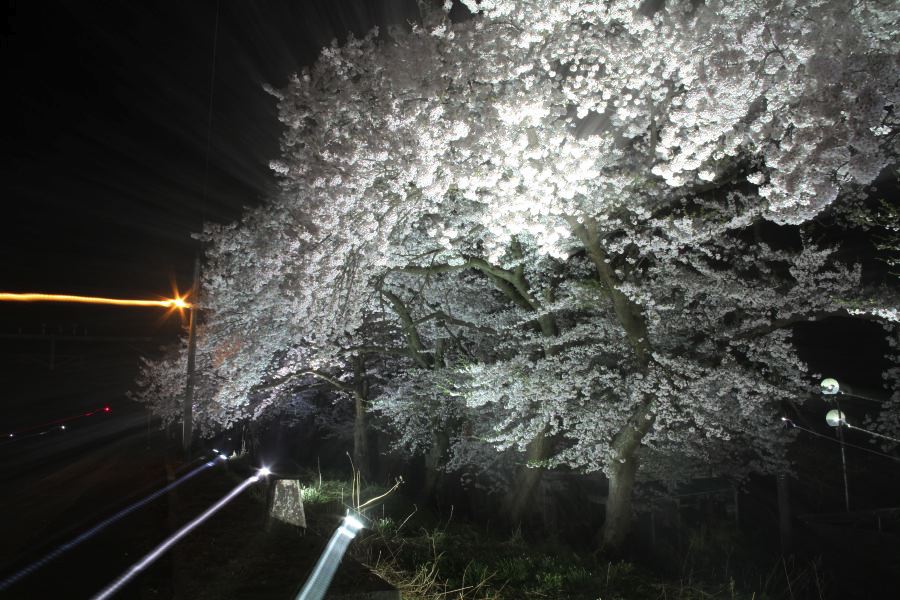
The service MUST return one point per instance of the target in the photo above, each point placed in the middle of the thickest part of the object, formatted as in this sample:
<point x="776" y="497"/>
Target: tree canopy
<point x="562" y="233"/>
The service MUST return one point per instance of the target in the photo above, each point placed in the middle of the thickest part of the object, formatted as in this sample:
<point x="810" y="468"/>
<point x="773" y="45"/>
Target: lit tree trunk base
<point x="618" y="504"/>
<point x="433" y="461"/>
<point x="622" y="474"/>
<point x="520" y="502"/>
<point x="361" y="455"/>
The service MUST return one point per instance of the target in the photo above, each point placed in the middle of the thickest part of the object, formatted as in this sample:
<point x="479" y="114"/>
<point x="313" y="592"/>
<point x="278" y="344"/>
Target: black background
<point x="113" y="110"/>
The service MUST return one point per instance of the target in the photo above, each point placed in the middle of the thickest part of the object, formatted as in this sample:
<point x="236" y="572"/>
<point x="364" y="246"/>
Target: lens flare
<point x="161" y="549"/>
<point x="176" y="302"/>
<point x="101" y="526"/>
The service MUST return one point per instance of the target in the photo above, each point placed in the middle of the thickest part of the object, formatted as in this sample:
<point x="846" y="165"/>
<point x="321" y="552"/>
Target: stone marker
<point x="287" y="502"/>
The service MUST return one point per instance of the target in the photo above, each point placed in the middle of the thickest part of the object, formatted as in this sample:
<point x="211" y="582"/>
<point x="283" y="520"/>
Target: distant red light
<point x="105" y="409"/>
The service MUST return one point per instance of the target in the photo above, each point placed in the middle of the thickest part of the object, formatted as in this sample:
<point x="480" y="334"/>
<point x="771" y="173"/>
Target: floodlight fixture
<point x="835" y="418"/>
<point x="830" y="386"/>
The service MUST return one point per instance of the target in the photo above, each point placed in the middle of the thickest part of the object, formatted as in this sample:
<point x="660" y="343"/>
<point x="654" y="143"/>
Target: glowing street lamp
<point x="176" y="302"/>
<point x="835" y="418"/>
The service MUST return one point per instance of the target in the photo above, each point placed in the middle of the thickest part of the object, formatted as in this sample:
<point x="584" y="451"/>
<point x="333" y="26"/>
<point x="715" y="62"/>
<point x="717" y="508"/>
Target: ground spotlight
<point x="317" y="584"/>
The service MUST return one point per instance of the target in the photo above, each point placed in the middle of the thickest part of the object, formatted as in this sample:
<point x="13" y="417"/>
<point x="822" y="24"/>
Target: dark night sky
<point x="105" y="130"/>
<point x="103" y="166"/>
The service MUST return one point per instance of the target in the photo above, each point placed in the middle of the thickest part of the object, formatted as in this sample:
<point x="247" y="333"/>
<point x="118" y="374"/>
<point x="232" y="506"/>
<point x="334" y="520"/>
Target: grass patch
<point x="436" y="557"/>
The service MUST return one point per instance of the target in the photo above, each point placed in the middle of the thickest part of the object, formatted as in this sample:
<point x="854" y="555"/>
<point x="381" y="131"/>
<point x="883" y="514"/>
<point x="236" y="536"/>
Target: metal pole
<point x="840" y="434"/>
<point x="188" y="415"/>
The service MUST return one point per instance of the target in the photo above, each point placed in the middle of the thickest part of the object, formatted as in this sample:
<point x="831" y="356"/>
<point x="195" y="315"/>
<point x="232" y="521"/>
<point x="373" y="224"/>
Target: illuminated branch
<point x="442" y="316"/>
<point x="416" y="347"/>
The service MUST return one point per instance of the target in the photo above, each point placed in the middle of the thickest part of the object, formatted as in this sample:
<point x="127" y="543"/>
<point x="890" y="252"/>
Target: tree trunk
<point x="618" y="503"/>
<point x="361" y="455"/>
<point x="628" y="440"/>
<point x="622" y="474"/>
<point x="433" y="460"/>
<point x="520" y="500"/>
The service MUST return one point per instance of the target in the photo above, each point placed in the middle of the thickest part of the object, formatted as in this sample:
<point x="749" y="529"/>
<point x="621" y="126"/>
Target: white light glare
<point x="353" y="524"/>
<point x="830" y="386"/>
<point x="223" y="456"/>
<point x="835" y="418"/>
<point x="317" y="584"/>
<point x="215" y="451"/>
<point x="264" y="472"/>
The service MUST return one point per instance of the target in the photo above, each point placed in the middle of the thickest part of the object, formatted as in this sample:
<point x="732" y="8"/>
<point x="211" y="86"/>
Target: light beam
<point x="161" y="549"/>
<point x="9" y="581"/>
<point x="317" y="584"/>
<point x="176" y="302"/>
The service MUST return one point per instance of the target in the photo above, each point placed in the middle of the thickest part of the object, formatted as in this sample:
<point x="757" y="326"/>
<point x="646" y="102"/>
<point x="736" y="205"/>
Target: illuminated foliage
<point x="536" y="232"/>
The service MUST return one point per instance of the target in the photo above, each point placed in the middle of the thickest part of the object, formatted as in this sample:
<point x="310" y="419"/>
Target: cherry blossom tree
<point x="536" y="236"/>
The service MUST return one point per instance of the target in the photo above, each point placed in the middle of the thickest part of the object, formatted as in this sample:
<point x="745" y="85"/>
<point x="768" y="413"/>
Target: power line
<point x="830" y="439"/>
<point x="878" y="435"/>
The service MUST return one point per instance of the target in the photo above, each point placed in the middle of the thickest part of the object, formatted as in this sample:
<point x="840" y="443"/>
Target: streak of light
<point x="161" y="549"/>
<point x="9" y="581"/>
<point x="872" y="433"/>
<point x="22" y="434"/>
<point x="317" y="584"/>
<point x="177" y="302"/>
<point x="21" y="430"/>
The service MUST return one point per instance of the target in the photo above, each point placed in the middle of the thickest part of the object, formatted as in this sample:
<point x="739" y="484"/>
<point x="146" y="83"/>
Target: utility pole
<point x="840" y="435"/>
<point x="835" y="418"/>
<point x="187" y="420"/>
<point x="784" y="513"/>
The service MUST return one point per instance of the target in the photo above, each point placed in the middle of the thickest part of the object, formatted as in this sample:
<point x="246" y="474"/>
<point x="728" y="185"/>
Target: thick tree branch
<point x="413" y="340"/>
<point x="286" y="379"/>
<point x="628" y="313"/>
<point x="442" y="316"/>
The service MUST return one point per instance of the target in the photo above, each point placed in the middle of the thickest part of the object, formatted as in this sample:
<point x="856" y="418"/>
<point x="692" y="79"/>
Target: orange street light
<point x="177" y="302"/>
